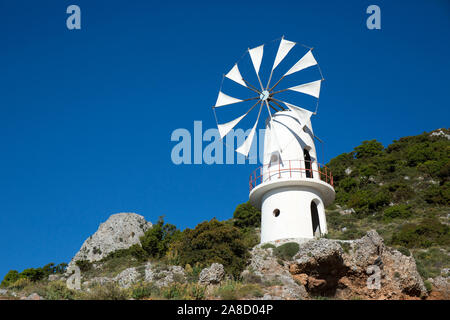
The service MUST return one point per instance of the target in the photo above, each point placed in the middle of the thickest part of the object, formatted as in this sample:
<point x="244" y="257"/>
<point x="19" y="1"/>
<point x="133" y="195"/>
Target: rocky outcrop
<point x="127" y="277"/>
<point x="162" y="275"/>
<point x="277" y="283"/>
<point x="120" y="231"/>
<point x="441" y="286"/>
<point x="212" y="275"/>
<point x="363" y="268"/>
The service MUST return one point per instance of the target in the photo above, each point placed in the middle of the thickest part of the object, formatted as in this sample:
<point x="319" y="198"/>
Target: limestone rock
<point x="127" y="277"/>
<point x="278" y="283"/>
<point x="120" y="231"/>
<point x="33" y="296"/>
<point x="342" y="269"/>
<point x="162" y="276"/>
<point x="212" y="275"/>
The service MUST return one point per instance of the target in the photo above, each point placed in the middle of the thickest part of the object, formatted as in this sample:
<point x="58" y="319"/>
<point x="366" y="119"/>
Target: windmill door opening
<point x="315" y="220"/>
<point x="308" y="167"/>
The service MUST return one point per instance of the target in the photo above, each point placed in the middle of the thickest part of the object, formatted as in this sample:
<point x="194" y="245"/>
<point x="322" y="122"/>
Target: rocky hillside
<point x="403" y="192"/>
<point x="389" y="239"/>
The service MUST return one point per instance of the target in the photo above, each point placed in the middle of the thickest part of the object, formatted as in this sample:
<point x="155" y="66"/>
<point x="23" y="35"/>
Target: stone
<point x="278" y="282"/>
<point x="338" y="269"/>
<point x="127" y="277"/>
<point x="212" y="275"/>
<point x="120" y="231"/>
<point x="33" y="296"/>
<point x="54" y="277"/>
<point x="163" y="275"/>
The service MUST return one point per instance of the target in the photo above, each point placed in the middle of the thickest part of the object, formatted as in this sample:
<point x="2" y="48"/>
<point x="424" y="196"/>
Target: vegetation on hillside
<point x="402" y="191"/>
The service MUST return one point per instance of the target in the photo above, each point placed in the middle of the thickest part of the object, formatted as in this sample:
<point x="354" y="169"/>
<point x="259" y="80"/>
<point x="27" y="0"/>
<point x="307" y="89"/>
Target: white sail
<point x="223" y="100"/>
<point x="310" y="88"/>
<point x="235" y="75"/>
<point x="283" y="50"/>
<point x="306" y="61"/>
<point x="244" y="149"/>
<point x="256" y="55"/>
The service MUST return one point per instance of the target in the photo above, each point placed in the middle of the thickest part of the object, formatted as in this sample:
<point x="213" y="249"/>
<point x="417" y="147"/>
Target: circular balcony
<point x="291" y="173"/>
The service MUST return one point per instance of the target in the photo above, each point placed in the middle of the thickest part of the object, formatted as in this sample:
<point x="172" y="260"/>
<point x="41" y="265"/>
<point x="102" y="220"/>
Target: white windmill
<point x="291" y="188"/>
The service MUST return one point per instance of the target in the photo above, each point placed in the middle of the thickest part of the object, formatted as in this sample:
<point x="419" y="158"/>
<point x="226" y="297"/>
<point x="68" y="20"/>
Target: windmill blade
<point x="235" y="75"/>
<point x="245" y="147"/>
<point x="223" y="100"/>
<point x="303" y="115"/>
<point x="227" y="127"/>
<point x="310" y="88"/>
<point x="283" y="50"/>
<point x="306" y="61"/>
<point x="256" y="55"/>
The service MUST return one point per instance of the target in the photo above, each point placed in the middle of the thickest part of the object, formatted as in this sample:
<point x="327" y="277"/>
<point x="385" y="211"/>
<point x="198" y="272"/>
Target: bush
<point x="84" y="265"/>
<point x="423" y="235"/>
<point x="212" y="241"/>
<point x="144" y="290"/>
<point x="404" y="251"/>
<point x="430" y="262"/>
<point x="247" y="216"/>
<point x="107" y="291"/>
<point x="286" y="251"/>
<point x="267" y="246"/>
<point x="369" y="149"/>
<point x="57" y="290"/>
<point x="156" y="240"/>
<point x="11" y="277"/>
<point x="397" y="211"/>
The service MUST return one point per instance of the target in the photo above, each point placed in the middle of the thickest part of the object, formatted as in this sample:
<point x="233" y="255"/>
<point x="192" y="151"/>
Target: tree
<point x="368" y="149"/>
<point x="157" y="239"/>
<point x="213" y="241"/>
<point x="11" y="277"/>
<point x="247" y="216"/>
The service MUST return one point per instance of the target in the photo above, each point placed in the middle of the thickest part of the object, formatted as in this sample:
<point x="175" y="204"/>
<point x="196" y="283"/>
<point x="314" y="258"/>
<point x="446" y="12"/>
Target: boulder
<point x="33" y="296"/>
<point x="277" y="282"/>
<point x="120" y="231"/>
<point x="347" y="269"/>
<point x="162" y="275"/>
<point x="212" y="275"/>
<point x="127" y="277"/>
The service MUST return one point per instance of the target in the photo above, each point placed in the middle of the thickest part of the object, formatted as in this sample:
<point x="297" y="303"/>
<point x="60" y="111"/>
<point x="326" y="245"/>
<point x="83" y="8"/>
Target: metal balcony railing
<point x="290" y="169"/>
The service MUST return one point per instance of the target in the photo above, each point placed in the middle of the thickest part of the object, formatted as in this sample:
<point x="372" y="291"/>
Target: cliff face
<point x="364" y="268"/>
<point x="120" y="231"/>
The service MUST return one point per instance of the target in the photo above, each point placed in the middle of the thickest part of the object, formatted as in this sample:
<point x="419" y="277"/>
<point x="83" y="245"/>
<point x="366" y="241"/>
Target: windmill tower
<point x="291" y="188"/>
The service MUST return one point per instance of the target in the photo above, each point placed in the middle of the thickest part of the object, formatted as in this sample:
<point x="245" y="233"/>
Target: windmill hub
<point x="264" y="95"/>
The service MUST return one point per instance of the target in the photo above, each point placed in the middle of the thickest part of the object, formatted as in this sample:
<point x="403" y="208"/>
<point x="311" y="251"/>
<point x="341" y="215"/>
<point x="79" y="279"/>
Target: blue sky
<point x="86" y="116"/>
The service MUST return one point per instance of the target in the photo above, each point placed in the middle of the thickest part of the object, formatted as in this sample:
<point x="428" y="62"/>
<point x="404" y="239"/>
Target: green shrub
<point x="84" y="265"/>
<point x="247" y="216"/>
<point x="423" y="235"/>
<point x="428" y="285"/>
<point x="107" y="291"/>
<point x="268" y="245"/>
<point x="430" y="262"/>
<point x="57" y="290"/>
<point x="156" y="240"/>
<point x="287" y="251"/>
<point x="404" y="251"/>
<point x="144" y="290"/>
<point x="397" y="211"/>
<point x="11" y="277"/>
<point x="213" y="241"/>
<point x="369" y="149"/>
